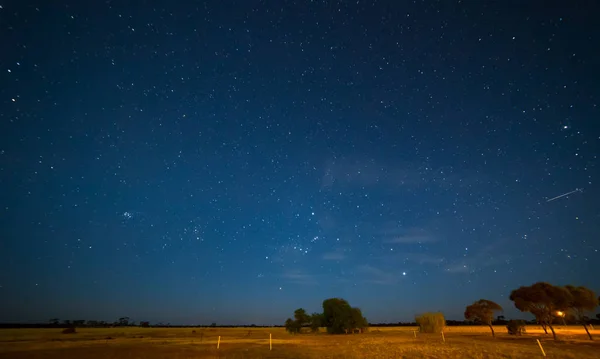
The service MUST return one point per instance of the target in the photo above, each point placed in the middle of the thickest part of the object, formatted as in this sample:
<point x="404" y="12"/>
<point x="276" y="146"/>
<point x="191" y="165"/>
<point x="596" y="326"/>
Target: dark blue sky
<point x="230" y="161"/>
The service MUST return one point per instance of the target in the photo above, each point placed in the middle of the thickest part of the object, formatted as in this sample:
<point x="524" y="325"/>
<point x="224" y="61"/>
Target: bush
<point x="431" y="322"/>
<point x="69" y="330"/>
<point x="516" y="327"/>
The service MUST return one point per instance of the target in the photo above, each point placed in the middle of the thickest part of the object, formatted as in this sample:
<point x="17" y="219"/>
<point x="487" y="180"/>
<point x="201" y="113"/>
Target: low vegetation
<point x="462" y="342"/>
<point x="431" y="322"/>
<point x="552" y="306"/>
<point x="516" y="327"/>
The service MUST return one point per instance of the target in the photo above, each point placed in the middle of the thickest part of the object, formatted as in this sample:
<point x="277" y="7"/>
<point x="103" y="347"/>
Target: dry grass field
<point x="379" y="343"/>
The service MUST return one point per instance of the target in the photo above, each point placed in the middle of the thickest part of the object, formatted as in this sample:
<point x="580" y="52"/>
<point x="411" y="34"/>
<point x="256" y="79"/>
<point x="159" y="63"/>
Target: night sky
<point x="229" y="162"/>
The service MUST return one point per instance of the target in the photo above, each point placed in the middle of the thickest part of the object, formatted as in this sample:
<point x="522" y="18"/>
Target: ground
<point x="378" y="343"/>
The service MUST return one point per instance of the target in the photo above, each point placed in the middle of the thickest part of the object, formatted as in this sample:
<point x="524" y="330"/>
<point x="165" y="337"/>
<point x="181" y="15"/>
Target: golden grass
<point x="379" y="343"/>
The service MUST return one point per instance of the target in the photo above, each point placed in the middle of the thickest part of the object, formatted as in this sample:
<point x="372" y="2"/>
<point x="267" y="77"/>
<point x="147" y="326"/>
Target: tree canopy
<point x="543" y="300"/>
<point x="582" y="301"/>
<point x="338" y="317"/>
<point x="483" y="311"/>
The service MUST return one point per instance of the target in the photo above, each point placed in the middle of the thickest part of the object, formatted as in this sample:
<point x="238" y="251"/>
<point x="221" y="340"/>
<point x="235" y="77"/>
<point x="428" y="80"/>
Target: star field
<point x="230" y="161"/>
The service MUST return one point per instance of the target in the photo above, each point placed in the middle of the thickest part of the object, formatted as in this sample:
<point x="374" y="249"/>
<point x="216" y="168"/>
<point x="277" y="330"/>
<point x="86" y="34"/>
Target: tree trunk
<point x="492" y="328"/>
<point x="544" y="327"/>
<point x="553" y="333"/>
<point x="587" y="331"/>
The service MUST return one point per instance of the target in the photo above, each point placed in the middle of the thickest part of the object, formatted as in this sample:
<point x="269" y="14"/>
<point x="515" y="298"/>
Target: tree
<point x="291" y="326"/>
<point x="357" y="321"/>
<point x="301" y="317"/>
<point x="144" y="324"/>
<point x="542" y="300"/>
<point x="316" y="320"/>
<point x="337" y="315"/>
<point x="123" y="321"/>
<point x="582" y="300"/>
<point x="54" y="321"/>
<point x="79" y="323"/>
<point x="483" y="311"/>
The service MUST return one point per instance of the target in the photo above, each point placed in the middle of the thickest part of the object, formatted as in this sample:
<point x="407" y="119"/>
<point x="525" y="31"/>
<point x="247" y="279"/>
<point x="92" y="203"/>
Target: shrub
<point x="69" y="330"/>
<point x="431" y="322"/>
<point x="516" y="327"/>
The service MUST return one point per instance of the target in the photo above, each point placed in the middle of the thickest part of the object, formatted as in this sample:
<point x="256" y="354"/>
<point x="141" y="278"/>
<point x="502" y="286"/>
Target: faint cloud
<point x="299" y="277"/>
<point x="336" y="255"/>
<point x="326" y="221"/>
<point x="393" y="258"/>
<point x="423" y="258"/>
<point x="376" y="275"/>
<point x="361" y="171"/>
<point x="490" y="255"/>
<point x="367" y="172"/>
<point x="458" y="268"/>
<point x="408" y="236"/>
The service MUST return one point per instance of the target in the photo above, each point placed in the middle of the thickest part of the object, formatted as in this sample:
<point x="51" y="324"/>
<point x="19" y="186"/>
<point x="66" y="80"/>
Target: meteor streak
<point x="565" y="194"/>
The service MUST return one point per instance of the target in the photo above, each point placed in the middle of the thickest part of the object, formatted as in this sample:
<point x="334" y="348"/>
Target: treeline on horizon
<point x="546" y="302"/>
<point x="500" y="320"/>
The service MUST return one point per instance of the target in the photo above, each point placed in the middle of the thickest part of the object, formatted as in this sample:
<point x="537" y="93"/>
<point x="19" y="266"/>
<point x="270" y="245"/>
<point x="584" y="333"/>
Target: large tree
<point x="316" y="321"/>
<point x="483" y="311"/>
<point x="357" y="320"/>
<point x="542" y="300"/>
<point x="292" y="326"/>
<point x="582" y="301"/>
<point x="337" y="315"/>
<point x="301" y="317"/>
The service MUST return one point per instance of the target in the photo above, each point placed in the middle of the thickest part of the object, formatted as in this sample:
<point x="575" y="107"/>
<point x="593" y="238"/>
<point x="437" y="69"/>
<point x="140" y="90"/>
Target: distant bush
<point x="69" y="330"/>
<point x="431" y="322"/>
<point x="516" y="327"/>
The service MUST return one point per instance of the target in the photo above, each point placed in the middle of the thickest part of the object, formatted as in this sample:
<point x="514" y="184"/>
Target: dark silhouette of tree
<point x="357" y="321"/>
<point x="483" y="311"/>
<point x="144" y="324"/>
<point x="291" y="326"/>
<point x="515" y="327"/>
<point x="301" y="317"/>
<point x="54" y="321"/>
<point x="582" y="301"/>
<point x="123" y="321"/>
<point x="79" y="323"/>
<point x="337" y="315"/>
<point x="542" y="300"/>
<point x="598" y="316"/>
<point x="316" y="321"/>
<point x="67" y="322"/>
